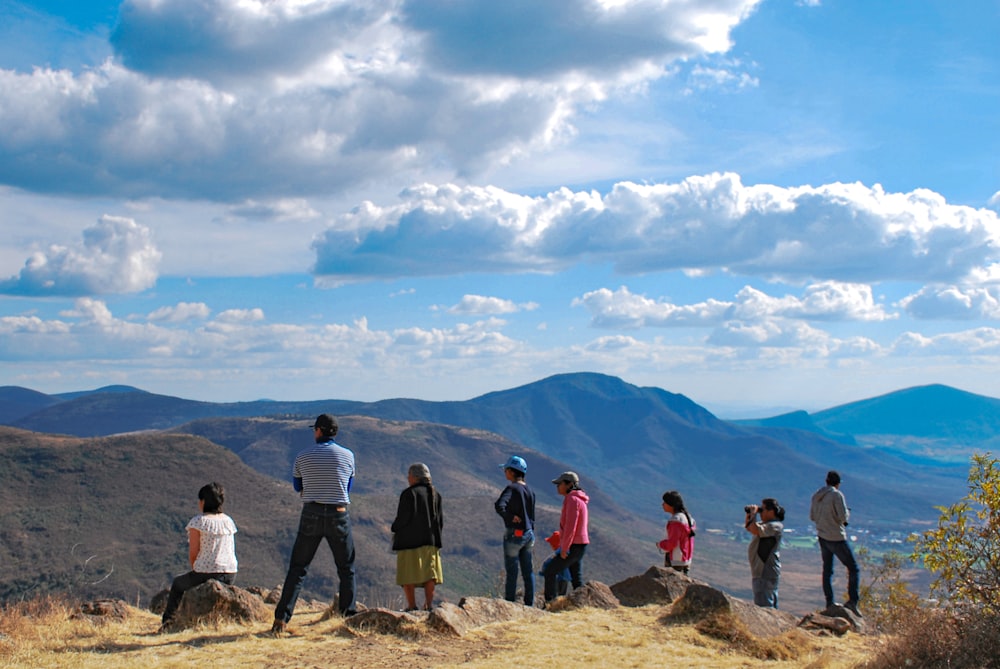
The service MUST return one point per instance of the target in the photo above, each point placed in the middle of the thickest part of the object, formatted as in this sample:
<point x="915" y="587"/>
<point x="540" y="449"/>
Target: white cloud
<point x="117" y="255"/>
<point x="480" y="304"/>
<point x="979" y="342"/>
<point x="285" y="209"/>
<point x="953" y="302"/>
<point x="795" y="335"/>
<point x="846" y="233"/>
<point x="234" y="99"/>
<point x="239" y="336"/>
<point x="994" y="202"/>
<point x="285" y="357"/>
<point x="32" y="325"/>
<point x="180" y="313"/>
<point x="234" y="316"/>
<point x="624" y="309"/>
<point x="826" y="301"/>
<point x="724" y="76"/>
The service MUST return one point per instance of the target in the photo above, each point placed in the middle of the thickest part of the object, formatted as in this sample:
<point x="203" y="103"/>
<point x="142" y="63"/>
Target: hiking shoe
<point x="279" y="628"/>
<point x="853" y="608"/>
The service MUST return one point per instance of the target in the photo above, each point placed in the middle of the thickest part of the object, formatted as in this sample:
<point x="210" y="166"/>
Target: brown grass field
<point x="43" y="634"/>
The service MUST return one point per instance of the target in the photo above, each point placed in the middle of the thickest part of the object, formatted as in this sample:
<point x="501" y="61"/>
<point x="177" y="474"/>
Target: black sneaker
<point x="853" y="608"/>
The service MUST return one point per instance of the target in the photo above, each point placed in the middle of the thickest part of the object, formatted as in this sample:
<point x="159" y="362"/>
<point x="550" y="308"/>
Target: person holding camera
<point x="763" y="552"/>
<point x="830" y="513"/>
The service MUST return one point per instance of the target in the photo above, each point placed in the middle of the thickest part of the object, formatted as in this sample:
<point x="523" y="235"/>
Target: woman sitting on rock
<point x="211" y="549"/>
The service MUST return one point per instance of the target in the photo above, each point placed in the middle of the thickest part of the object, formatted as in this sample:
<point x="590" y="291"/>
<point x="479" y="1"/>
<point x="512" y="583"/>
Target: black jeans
<point x="318" y="522"/>
<point x="558" y="563"/>
<point x="185" y="582"/>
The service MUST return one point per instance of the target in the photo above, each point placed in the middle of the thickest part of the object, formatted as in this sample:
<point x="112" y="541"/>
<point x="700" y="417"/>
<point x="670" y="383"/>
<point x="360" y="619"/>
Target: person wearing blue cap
<point x="516" y="505"/>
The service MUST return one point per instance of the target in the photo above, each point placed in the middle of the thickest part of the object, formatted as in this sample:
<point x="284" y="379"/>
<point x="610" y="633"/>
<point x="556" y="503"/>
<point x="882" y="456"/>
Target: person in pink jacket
<point x="679" y="544"/>
<point x="573" y="535"/>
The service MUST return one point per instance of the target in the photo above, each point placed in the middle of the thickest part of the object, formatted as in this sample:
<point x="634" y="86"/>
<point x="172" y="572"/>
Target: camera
<point x="748" y="508"/>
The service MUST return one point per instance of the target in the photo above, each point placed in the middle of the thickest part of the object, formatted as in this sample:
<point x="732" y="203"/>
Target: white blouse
<point x="217" y="554"/>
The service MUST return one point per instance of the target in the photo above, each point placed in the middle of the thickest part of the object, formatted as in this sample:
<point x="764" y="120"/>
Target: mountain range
<point x="628" y="444"/>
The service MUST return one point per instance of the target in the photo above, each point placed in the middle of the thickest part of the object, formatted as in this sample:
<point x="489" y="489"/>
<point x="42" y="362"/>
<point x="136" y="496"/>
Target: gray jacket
<point x="829" y="511"/>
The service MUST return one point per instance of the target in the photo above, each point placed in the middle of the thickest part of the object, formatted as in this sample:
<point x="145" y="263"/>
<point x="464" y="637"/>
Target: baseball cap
<point x="327" y="423"/>
<point x="516" y="463"/>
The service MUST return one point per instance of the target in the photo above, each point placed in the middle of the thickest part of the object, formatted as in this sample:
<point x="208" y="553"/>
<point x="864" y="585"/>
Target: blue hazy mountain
<point x="634" y="442"/>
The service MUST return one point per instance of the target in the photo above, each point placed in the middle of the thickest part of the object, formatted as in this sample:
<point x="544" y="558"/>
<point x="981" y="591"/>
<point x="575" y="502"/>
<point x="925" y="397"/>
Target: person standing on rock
<point x="830" y="513"/>
<point x="573" y="533"/>
<point x="763" y="552"/>
<point x="211" y="549"/>
<point x="323" y="476"/>
<point x="516" y="505"/>
<point x="679" y="544"/>
<point x="417" y="537"/>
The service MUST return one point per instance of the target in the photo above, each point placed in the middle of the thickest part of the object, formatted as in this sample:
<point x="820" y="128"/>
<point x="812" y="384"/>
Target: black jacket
<point x="418" y="522"/>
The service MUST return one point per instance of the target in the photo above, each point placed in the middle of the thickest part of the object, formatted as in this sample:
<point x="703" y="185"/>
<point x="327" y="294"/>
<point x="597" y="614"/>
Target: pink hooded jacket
<point x="573" y="520"/>
<point x="679" y="543"/>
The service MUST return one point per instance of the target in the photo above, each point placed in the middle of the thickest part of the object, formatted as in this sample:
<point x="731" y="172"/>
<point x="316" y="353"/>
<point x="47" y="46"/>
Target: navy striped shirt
<point x="326" y="472"/>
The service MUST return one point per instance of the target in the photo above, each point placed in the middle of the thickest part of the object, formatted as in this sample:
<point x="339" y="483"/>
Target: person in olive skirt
<point x="417" y="537"/>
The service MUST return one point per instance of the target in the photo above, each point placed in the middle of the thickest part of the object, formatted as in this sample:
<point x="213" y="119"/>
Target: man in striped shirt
<point x="322" y="475"/>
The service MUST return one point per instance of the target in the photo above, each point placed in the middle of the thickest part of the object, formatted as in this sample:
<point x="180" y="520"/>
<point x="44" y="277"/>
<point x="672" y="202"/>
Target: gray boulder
<point x="473" y="612"/>
<point x="102" y="611"/>
<point x="841" y="612"/>
<point x="824" y="625"/>
<point x="214" y="602"/>
<point x="383" y="621"/>
<point x="702" y="601"/>
<point x="659" y="585"/>
<point x="593" y="594"/>
<point x="159" y="602"/>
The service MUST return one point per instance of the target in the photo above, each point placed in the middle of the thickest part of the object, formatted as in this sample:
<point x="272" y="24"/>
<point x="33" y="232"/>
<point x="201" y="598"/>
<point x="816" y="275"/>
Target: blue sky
<point x="759" y="204"/>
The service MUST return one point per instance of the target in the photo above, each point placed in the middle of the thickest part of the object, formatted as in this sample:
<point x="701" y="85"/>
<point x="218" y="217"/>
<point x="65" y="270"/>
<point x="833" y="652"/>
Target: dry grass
<point x="43" y="634"/>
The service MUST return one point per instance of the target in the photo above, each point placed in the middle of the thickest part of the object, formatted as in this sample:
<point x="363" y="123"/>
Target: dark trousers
<point x="843" y="552"/>
<point x="558" y="563"/>
<point x="185" y="582"/>
<point x="318" y="522"/>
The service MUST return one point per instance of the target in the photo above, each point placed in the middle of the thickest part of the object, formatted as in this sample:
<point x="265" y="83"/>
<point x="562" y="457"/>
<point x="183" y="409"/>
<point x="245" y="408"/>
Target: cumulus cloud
<point x="826" y="301"/>
<point x="116" y="255"/>
<point x="953" y="302"/>
<point x="982" y="341"/>
<point x="240" y="316"/>
<point x="535" y="39"/>
<point x="480" y="304"/>
<point x="180" y="313"/>
<point x="234" y="99"/>
<point x="220" y="40"/>
<point x="847" y="233"/>
<point x="284" y="356"/>
<point x="779" y="333"/>
<point x="92" y="330"/>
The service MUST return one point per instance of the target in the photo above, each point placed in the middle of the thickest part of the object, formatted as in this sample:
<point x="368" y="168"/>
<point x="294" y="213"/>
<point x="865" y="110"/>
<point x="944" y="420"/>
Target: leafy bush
<point x="963" y="553"/>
